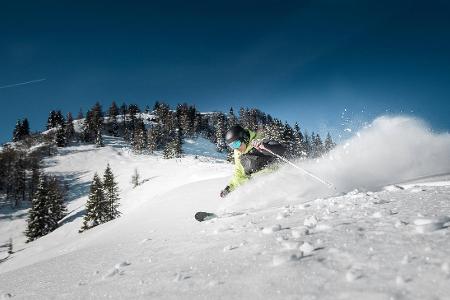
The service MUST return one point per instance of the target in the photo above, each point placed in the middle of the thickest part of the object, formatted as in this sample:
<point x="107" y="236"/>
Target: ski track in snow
<point x="391" y="242"/>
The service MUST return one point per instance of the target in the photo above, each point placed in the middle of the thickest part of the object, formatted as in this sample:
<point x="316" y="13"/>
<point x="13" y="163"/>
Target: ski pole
<point x="330" y="185"/>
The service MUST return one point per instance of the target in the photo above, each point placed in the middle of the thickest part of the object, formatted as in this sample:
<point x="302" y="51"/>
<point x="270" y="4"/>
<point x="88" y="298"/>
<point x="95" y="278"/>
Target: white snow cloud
<point x="392" y="149"/>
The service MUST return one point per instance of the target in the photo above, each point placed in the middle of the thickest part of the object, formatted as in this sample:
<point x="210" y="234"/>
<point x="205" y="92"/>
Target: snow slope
<point x="379" y="235"/>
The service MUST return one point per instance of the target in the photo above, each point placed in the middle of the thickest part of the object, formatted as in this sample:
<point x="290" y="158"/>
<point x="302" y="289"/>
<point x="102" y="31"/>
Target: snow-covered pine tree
<point x="34" y="178"/>
<point x="232" y="119"/>
<point x="135" y="178"/>
<point x="80" y="115"/>
<point x="40" y="221"/>
<point x="288" y="139"/>
<point x="99" y="139"/>
<point x="173" y="149"/>
<point x="111" y="190"/>
<point x="317" y="145"/>
<point x="69" y="128"/>
<point x="153" y="138"/>
<point x="299" y="151"/>
<point x="21" y="130"/>
<point x="60" y="137"/>
<point x="19" y="186"/>
<point x="17" y="131"/>
<point x="220" y="131"/>
<point x="25" y="130"/>
<point x="139" y="142"/>
<point x="329" y="144"/>
<point x="96" y="207"/>
<point x="307" y="145"/>
<point x="113" y="112"/>
<point x="57" y="206"/>
<point x="55" y="119"/>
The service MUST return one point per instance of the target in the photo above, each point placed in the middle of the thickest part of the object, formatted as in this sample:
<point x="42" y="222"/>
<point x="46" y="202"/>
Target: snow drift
<point x="392" y="149"/>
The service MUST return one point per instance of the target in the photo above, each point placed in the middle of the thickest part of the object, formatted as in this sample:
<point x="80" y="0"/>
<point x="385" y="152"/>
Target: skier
<point x="250" y="156"/>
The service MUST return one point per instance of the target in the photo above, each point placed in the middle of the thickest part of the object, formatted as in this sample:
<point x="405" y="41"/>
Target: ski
<point x="204" y="216"/>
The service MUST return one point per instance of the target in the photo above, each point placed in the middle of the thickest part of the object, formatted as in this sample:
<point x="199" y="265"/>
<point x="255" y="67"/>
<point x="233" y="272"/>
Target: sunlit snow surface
<point x="381" y="234"/>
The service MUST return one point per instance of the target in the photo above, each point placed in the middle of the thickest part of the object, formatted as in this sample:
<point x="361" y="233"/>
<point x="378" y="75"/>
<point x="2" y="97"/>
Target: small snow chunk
<point x="272" y="229"/>
<point x="377" y="215"/>
<point x="353" y="274"/>
<point x="282" y="215"/>
<point x="122" y="264"/>
<point x="302" y="206"/>
<point x="290" y="245"/>
<point x="229" y="248"/>
<point x="145" y="240"/>
<point x="393" y="188"/>
<point x="111" y="273"/>
<point x="352" y="193"/>
<point x="4" y="296"/>
<point x="429" y="225"/>
<point x="323" y="227"/>
<point x="306" y="248"/>
<point x="299" y="232"/>
<point x="310" y="222"/>
<point x="180" y="276"/>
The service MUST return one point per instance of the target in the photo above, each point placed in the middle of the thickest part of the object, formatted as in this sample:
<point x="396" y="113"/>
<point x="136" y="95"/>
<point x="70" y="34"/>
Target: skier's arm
<point x="239" y="176"/>
<point x="273" y="146"/>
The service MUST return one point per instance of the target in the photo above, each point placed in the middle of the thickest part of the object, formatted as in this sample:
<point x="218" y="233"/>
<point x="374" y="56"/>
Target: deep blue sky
<point x="302" y="61"/>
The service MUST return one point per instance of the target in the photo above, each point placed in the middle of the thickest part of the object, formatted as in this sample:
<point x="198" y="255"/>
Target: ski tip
<point x="204" y="216"/>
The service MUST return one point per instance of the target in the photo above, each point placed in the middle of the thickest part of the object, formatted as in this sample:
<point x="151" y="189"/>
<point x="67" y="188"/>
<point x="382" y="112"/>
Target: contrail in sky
<point x="22" y="83"/>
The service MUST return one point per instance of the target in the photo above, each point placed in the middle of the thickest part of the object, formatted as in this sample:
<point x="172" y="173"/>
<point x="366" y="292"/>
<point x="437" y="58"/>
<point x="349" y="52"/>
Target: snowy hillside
<point x="382" y="233"/>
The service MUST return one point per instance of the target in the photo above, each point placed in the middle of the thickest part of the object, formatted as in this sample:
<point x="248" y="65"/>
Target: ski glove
<point x="225" y="192"/>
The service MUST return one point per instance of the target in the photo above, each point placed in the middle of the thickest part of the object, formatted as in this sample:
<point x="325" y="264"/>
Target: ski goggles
<point x="235" y="144"/>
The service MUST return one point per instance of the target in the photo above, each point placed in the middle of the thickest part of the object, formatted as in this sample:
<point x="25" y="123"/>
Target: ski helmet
<point x="237" y="132"/>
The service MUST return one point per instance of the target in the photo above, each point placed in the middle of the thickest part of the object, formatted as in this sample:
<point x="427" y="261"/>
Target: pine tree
<point x="60" y="137"/>
<point x="25" y="128"/>
<point x="21" y="130"/>
<point x="173" y="149"/>
<point x="232" y="119"/>
<point x="40" y="221"/>
<point x="55" y="119"/>
<point x="80" y="115"/>
<point x="56" y="192"/>
<point x="139" y="142"/>
<point x="17" y="134"/>
<point x="317" y="145"/>
<point x="153" y="138"/>
<point x="288" y="139"/>
<point x="329" y="144"/>
<point x="299" y="150"/>
<point x="307" y="145"/>
<point x="19" y="179"/>
<point x="135" y="179"/>
<point x="99" y="139"/>
<point x="111" y="190"/>
<point x="34" y="179"/>
<point x="220" y="131"/>
<point x="69" y="128"/>
<point x="113" y="112"/>
<point x="96" y="207"/>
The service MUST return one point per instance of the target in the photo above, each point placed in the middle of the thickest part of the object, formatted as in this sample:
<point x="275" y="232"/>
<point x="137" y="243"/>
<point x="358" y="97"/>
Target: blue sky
<point x="304" y="61"/>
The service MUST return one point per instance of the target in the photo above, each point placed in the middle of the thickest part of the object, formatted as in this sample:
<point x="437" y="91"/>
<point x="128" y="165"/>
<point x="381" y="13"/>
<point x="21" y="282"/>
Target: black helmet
<point x="237" y="132"/>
